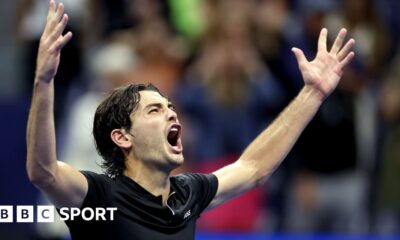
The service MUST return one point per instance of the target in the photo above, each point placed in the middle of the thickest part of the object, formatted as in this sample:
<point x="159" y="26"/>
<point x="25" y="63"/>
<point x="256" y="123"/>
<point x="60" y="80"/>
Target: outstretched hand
<point x="51" y="43"/>
<point x="324" y="72"/>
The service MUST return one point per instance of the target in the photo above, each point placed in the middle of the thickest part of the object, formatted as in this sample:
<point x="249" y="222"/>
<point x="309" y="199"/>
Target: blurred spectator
<point x="274" y="26"/>
<point x="228" y="81"/>
<point x="161" y="55"/>
<point x="160" y="52"/>
<point x="104" y="17"/>
<point x="327" y="191"/>
<point x="388" y="12"/>
<point x="270" y="18"/>
<point x="388" y="194"/>
<point x="364" y="79"/>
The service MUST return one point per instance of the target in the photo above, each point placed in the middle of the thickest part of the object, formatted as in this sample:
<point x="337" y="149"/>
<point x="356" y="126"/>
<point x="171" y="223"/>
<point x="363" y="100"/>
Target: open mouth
<point x="173" y="137"/>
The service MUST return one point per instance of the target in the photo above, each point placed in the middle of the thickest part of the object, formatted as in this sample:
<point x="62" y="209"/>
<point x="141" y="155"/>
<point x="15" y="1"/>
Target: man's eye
<point x="172" y="107"/>
<point x="154" y="110"/>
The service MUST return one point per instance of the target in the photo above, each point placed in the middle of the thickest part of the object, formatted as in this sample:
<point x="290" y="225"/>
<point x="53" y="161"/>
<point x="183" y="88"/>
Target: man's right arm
<point x="61" y="183"/>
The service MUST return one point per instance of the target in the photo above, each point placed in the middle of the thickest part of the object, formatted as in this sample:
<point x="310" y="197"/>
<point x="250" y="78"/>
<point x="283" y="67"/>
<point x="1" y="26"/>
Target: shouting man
<point x="137" y="132"/>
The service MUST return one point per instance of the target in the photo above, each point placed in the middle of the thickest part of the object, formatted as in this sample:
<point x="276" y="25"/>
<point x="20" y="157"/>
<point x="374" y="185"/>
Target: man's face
<point x="156" y="132"/>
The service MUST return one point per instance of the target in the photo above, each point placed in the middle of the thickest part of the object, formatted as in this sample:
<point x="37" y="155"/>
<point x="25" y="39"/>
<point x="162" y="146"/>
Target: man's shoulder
<point x="98" y="179"/>
<point x="94" y="175"/>
<point x="100" y="190"/>
<point x="198" y="189"/>
<point x="183" y="178"/>
<point x="189" y="178"/>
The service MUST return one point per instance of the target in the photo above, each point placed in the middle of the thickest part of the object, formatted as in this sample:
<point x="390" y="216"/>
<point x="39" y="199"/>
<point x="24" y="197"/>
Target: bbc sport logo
<point x="47" y="213"/>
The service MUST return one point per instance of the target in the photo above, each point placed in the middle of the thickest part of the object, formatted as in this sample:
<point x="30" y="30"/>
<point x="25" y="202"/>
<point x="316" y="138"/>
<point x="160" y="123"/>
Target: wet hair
<point x="114" y="113"/>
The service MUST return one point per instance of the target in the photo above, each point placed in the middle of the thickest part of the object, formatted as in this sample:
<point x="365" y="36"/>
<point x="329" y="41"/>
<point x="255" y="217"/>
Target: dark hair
<point x="113" y="113"/>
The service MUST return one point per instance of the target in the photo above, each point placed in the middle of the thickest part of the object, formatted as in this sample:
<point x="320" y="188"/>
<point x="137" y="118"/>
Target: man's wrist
<point x="42" y="82"/>
<point x="312" y="95"/>
<point x="42" y="79"/>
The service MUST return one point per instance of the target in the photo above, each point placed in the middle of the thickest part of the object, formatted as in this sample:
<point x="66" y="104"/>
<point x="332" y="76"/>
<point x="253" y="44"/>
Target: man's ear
<point x="121" y="138"/>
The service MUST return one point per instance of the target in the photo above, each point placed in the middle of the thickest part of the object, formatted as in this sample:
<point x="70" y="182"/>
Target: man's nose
<point x="172" y="116"/>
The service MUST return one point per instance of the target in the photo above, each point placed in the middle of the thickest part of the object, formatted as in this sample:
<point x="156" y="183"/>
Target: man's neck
<point x="153" y="180"/>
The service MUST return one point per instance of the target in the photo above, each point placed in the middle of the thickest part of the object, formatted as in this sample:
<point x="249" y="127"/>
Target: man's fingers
<point x="60" y="27"/>
<point x="52" y="8"/>
<point x="345" y="50"/>
<point x="56" y="21"/>
<point x="347" y="59"/>
<point x="322" y="40"/>
<point x="54" y="17"/>
<point x="59" y="13"/>
<point x="62" y="40"/>
<point x="301" y="59"/>
<point x="338" y="41"/>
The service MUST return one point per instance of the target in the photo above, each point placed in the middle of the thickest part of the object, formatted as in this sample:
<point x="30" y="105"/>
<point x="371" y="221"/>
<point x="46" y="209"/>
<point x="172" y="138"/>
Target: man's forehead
<point x="149" y="97"/>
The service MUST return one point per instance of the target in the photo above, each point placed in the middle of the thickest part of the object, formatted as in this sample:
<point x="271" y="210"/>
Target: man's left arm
<point x="266" y="152"/>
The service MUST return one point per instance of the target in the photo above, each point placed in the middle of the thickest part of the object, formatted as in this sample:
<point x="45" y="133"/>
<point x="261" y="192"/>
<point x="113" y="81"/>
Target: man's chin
<point x="177" y="166"/>
<point x="176" y="160"/>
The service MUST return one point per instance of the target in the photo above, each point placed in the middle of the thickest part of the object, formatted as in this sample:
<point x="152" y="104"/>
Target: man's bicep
<point x="233" y="181"/>
<point x="69" y="188"/>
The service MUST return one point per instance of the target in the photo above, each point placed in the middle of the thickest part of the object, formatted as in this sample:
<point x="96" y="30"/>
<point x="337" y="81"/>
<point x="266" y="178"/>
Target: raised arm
<point x="265" y="153"/>
<point x="64" y="185"/>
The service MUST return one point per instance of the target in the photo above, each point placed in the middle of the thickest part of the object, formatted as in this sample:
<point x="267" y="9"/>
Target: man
<point x="138" y="134"/>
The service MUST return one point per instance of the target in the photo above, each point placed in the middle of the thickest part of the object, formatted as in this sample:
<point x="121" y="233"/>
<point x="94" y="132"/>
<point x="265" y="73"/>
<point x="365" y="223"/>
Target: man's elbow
<point x="262" y="174"/>
<point x="40" y="176"/>
<point x="257" y="174"/>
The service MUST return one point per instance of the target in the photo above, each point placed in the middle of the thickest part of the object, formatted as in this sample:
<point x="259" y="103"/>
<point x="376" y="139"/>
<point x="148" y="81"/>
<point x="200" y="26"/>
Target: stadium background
<point x="228" y="67"/>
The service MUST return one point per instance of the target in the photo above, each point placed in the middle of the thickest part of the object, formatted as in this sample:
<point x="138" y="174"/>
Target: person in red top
<point x="138" y="134"/>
